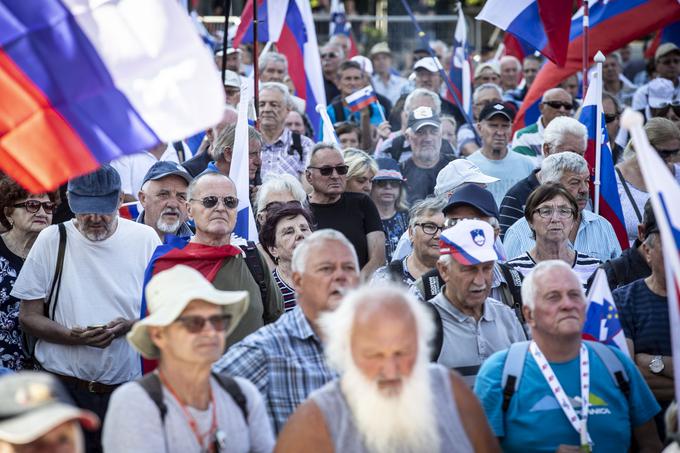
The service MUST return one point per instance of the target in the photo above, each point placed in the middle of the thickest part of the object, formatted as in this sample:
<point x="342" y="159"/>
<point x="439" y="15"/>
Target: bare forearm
<point x="370" y="267"/>
<point x="46" y="329"/>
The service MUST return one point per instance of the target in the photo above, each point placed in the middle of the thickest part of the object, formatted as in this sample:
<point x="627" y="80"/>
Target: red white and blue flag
<point x="295" y="37"/>
<point x="83" y="83"/>
<point x="130" y="210"/>
<point x="609" y="201"/>
<point x="602" y="318"/>
<point x="339" y="25"/>
<point x="459" y="72"/>
<point x="361" y="99"/>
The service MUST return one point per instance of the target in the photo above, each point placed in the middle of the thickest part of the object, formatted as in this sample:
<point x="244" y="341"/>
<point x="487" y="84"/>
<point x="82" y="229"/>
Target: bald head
<point x="555" y="102"/>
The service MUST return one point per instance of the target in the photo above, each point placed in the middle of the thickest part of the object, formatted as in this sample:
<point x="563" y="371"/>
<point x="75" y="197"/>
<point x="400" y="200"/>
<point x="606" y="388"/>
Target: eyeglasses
<point x="665" y="61"/>
<point x="276" y="205"/>
<point x="664" y="153"/>
<point x="211" y="201"/>
<point x="387" y="183"/>
<point x="430" y="228"/>
<point x="609" y="118"/>
<point x="663" y="110"/>
<point x="329" y="55"/>
<point x="557" y="105"/>
<point x="547" y="212"/>
<point x="327" y="171"/>
<point x="195" y="324"/>
<point x="33" y="206"/>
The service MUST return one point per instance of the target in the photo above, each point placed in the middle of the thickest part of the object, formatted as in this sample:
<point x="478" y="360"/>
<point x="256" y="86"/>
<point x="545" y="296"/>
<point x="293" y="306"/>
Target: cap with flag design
<point x="469" y="242"/>
<point x="423" y="116"/>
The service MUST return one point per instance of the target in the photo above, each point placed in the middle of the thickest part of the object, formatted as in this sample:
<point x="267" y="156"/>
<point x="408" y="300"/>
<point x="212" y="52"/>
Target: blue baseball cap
<point x="472" y="195"/>
<point x="164" y="168"/>
<point x="388" y="170"/>
<point x="95" y="193"/>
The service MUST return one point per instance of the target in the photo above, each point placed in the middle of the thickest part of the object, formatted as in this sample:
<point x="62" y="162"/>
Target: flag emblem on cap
<point x="422" y="112"/>
<point x="498" y="107"/>
<point x="478" y="237"/>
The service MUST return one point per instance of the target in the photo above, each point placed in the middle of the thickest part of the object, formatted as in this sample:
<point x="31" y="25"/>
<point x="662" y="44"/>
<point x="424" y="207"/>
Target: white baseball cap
<point x="469" y="242"/>
<point x="660" y="93"/>
<point x="458" y="172"/>
<point x="428" y="63"/>
<point x="365" y="64"/>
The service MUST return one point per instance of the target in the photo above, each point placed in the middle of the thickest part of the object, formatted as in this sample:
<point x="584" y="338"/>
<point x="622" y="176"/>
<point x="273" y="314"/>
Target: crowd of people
<point x="418" y="286"/>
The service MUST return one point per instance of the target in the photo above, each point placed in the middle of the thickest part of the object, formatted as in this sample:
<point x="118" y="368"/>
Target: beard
<point x="166" y="227"/>
<point x="404" y="422"/>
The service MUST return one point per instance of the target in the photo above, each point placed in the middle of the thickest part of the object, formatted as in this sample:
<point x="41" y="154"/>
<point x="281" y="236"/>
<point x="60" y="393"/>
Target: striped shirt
<point x="595" y="237"/>
<point x="529" y="141"/>
<point x="287" y="292"/>
<point x="284" y="360"/>
<point x="276" y="158"/>
<point x="583" y="265"/>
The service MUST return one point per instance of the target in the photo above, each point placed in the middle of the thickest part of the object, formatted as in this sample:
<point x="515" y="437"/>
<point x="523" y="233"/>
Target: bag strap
<point x="339" y="111"/>
<point x="432" y="283"/>
<point x="230" y="386"/>
<point x="613" y="364"/>
<point x="512" y="371"/>
<point x="53" y="297"/>
<point x="438" y="340"/>
<point x="514" y="285"/>
<point x="396" y="269"/>
<point x="630" y="195"/>
<point x="256" y="269"/>
<point x="296" y="146"/>
<point x="179" y="148"/>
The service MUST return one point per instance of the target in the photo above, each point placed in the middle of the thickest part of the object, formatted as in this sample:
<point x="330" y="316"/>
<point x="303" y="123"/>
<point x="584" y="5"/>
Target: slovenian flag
<point x="83" y="83"/>
<point x="130" y="210"/>
<point x="460" y="66"/>
<point x="609" y="202"/>
<point x="339" y="25"/>
<point x="361" y="99"/>
<point x="602" y="318"/>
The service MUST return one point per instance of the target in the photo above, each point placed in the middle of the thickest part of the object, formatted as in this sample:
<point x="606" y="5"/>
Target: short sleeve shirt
<point x="279" y="157"/>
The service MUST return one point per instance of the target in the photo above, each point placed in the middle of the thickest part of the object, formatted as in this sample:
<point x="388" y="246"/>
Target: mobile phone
<point x="96" y="326"/>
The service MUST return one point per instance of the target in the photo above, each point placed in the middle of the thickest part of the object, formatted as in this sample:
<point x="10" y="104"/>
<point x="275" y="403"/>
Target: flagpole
<point x="599" y="59"/>
<point x="586" y="61"/>
<point x="227" y="7"/>
<point x="256" y="64"/>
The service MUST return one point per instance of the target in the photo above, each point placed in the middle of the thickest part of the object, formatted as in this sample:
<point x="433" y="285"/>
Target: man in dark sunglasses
<point x="186" y="331"/>
<point x="332" y="54"/>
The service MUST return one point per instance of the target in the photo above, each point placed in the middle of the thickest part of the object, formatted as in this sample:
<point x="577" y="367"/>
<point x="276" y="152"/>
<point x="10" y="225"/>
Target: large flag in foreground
<point x="609" y="202"/>
<point x="664" y="193"/>
<point x="83" y="83"/>
<point x="602" y="318"/>
<point x="612" y="25"/>
<point x="295" y="37"/>
<point x="460" y="73"/>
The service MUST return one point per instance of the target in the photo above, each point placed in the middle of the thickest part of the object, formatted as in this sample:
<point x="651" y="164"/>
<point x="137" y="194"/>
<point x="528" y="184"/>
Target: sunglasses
<point x="557" y="105"/>
<point x="327" y="171"/>
<point x="329" y="55"/>
<point x="33" y="206"/>
<point x="276" y="205"/>
<point x="668" y="153"/>
<point x="663" y="110"/>
<point x="609" y="118"/>
<point x="211" y="201"/>
<point x="195" y="324"/>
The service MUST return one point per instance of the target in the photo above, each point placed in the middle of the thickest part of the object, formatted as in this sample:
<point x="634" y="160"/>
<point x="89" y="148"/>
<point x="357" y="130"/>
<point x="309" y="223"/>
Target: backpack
<point x="254" y="263"/>
<point x="514" y="366"/>
<point x="296" y="146"/>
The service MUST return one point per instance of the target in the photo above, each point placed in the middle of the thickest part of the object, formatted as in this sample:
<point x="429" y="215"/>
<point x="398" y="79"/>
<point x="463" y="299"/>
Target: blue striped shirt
<point x="284" y="360"/>
<point x="595" y="237"/>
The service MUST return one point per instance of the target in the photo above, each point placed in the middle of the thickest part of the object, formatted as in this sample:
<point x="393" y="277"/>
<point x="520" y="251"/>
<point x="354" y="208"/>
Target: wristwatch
<point x="656" y="365"/>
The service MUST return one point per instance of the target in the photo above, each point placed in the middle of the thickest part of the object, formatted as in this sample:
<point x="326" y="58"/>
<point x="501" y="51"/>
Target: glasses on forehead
<point x="557" y="105"/>
<point x="211" y="201"/>
<point x="327" y="171"/>
<point x="33" y="206"/>
<point x="195" y="323"/>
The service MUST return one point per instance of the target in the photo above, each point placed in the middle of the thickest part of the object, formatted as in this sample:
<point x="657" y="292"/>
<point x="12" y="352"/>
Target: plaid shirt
<point x="275" y="157"/>
<point x="284" y="360"/>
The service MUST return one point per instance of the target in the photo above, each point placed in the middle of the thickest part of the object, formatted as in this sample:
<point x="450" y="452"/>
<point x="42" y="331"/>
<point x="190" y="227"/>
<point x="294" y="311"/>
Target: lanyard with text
<point x="584" y="366"/>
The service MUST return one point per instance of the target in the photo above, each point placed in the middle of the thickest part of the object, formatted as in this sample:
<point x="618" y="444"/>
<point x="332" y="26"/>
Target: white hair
<point x="281" y="88"/>
<point x="484" y="87"/>
<point x="336" y="46"/>
<point x="278" y="183"/>
<point x="301" y="252"/>
<point x="554" y="166"/>
<point x="529" y="283"/>
<point x="272" y="57"/>
<point x="512" y="59"/>
<point x="558" y="128"/>
<point x="422" y="92"/>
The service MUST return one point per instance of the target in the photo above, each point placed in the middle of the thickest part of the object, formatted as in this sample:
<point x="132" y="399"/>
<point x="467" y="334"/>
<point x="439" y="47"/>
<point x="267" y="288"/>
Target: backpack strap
<point x="230" y="386"/>
<point x="432" y="284"/>
<point x="514" y="281"/>
<point x="613" y="364"/>
<point x="51" y="303"/>
<point x="438" y="340"/>
<point x="179" y="148"/>
<point x="296" y="146"/>
<point x="254" y="263"/>
<point x="512" y="371"/>
<point x="624" y="183"/>
<point x="339" y="111"/>
<point x="396" y="269"/>
<point x="151" y="384"/>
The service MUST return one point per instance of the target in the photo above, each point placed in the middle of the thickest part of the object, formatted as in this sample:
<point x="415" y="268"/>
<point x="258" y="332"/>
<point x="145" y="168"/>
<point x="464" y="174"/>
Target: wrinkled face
<point x="254" y="158"/>
<point x="495" y="133"/>
<point x="361" y="183"/>
<point x="232" y="95"/>
<point x="487" y="76"/>
<point x="165" y="203"/>
<point x="350" y="80"/>
<point x="449" y="133"/>
<point x="26" y="221"/>
<point x="484" y="98"/>
<point x="385" y="191"/>
<point x="529" y="70"/>
<point x="289" y="233"/>
<point x="349" y="140"/>
<point x="467" y="285"/>
<point x="275" y="71"/>
<point x="578" y="184"/>
<point x="653" y="254"/>
<point x="569" y="143"/>
<point x="426" y="143"/>
<point x="234" y="62"/>
<point x="218" y="220"/>
<point x="556" y="103"/>
<point x="273" y="108"/>
<point x="332" y="184"/>
<point x="97" y="227"/>
<point x="385" y="346"/>
<point x="426" y="79"/>
<point x="509" y="74"/>
<point x="382" y="63"/>
<point x="65" y="438"/>
<point x="611" y="118"/>
<point x="668" y="66"/>
<point x="553" y="220"/>
<point x="610" y="69"/>
<point x="329" y="272"/>
<point x="426" y="243"/>
<point x="559" y="305"/>
<point x="330" y="61"/>
<point x="295" y="123"/>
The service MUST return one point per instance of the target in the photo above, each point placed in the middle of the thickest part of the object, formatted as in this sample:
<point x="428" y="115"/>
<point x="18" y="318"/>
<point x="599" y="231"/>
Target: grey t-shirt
<point x="133" y="422"/>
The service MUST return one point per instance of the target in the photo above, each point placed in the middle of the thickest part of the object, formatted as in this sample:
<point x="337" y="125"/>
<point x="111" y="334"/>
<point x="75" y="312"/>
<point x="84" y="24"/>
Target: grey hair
<point x="281" y="88"/>
<point x="225" y="139"/>
<point x="428" y="206"/>
<point x="323" y="145"/>
<point x="555" y="131"/>
<point x="192" y="187"/>
<point x="515" y="60"/>
<point x="422" y="92"/>
<point x="554" y="166"/>
<point x="283" y="182"/>
<point x="486" y="86"/>
<point x="337" y="325"/>
<point x="301" y="252"/>
<point x="335" y="46"/>
<point x="529" y="283"/>
<point x="617" y="57"/>
<point x="272" y="57"/>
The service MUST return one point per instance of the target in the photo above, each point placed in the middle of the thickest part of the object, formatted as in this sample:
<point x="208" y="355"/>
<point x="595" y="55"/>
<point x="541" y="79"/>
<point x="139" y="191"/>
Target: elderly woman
<point x="551" y="211"/>
<point x="24" y="215"/>
<point x="285" y="228"/>
<point x="664" y="136"/>
<point x="389" y="195"/>
<point x="275" y="191"/>
<point x="362" y="169"/>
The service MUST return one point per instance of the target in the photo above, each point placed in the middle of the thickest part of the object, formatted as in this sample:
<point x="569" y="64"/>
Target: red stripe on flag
<point x="362" y="104"/>
<point x="288" y="45"/>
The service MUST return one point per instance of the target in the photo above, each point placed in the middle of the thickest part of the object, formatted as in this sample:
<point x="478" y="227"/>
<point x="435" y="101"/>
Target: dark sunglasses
<point x="276" y="205"/>
<point x="195" y="324"/>
<point x="663" y="110"/>
<point x="557" y="105"/>
<point x="33" y="206"/>
<point x="609" y="118"/>
<point x="211" y="201"/>
<point x="329" y="55"/>
<point x="668" y="153"/>
<point x="327" y="171"/>
<point x="387" y="183"/>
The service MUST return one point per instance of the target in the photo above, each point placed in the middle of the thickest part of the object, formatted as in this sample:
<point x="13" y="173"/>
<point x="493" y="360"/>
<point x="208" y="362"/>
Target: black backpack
<point x="254" y="263"/>
<point x="296" y="146"/>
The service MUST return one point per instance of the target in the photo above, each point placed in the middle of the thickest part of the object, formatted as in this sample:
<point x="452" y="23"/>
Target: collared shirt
<point x="284" y="360"/>
<point x="468" y="342"/>
<point x="392" y="89"/>
<point x="183" y="231"/>
<point x="277" y="159"/>
<point x="595" y="237"/>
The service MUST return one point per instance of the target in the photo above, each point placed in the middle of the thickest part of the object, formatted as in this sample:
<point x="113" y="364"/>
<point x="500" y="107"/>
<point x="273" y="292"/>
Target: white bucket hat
<point x="168" y="294"/>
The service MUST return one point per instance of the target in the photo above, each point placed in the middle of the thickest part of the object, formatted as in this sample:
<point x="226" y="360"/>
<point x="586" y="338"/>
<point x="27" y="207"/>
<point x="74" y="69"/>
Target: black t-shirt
<point x="354" y="215"/>
<point x="420" y="182"/>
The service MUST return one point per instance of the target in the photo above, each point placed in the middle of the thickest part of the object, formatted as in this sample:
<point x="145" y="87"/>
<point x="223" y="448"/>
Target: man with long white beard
<point x="388" y="398"/>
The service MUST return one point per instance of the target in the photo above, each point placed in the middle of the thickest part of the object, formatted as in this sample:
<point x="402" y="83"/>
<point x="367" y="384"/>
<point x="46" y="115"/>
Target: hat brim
<point x="480" y="178"/>
<point x="234" y="303"/>
<point x="497" y="113"/>
<point x="184" y="175"/>
<point x="100" y="204"/>
<point x="28" y="427"/>
<point x="465" y="259"/>
<point x="453" y="204"/>
<point x="419" y="124"/>
<point x="387" y="178"/>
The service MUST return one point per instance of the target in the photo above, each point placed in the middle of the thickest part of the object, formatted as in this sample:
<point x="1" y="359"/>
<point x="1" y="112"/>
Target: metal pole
<point x="586" y="59"/>
<point x="227" y="6"/>
<point x="599" y="59"/>
<point x="256" y="64"/>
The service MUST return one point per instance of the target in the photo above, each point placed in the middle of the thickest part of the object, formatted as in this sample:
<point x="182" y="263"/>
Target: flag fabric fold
<point x="328" y="134"/>
<point x="460" y="72"/>
<point x="602" y="318"/>
<point x="339" y="25"/>
<point x="361" y="99"/>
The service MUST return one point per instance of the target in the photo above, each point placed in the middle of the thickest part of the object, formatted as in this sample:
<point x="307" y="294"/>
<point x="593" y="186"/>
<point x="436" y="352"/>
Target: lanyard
<point x="584" y="365"/>
<point x="192" y="421"/>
